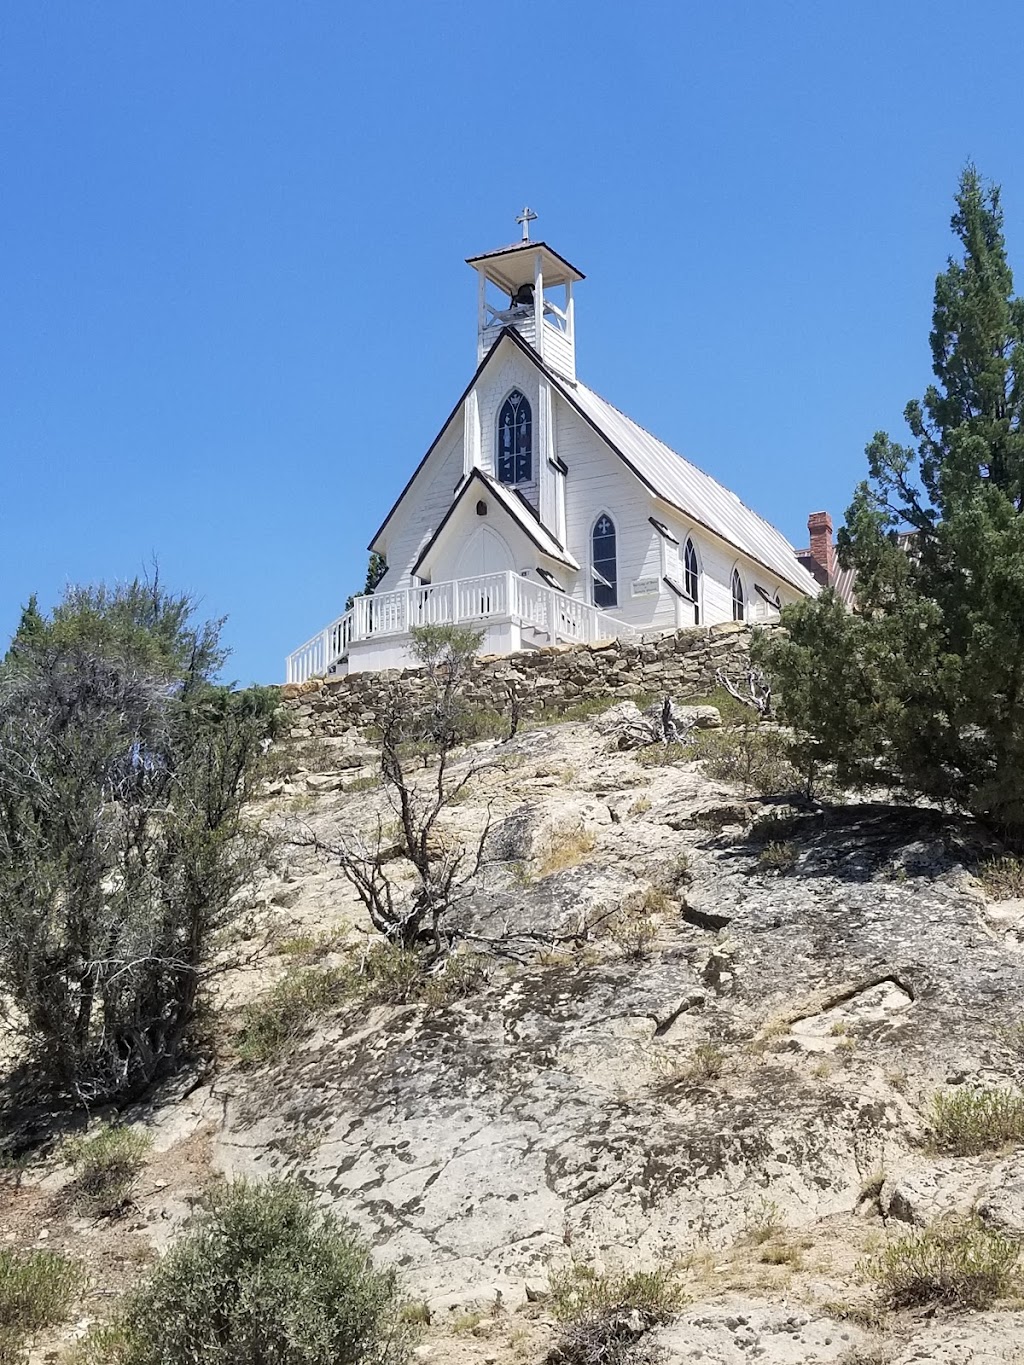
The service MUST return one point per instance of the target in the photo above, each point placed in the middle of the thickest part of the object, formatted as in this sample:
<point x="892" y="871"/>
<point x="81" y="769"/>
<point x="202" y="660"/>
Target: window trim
<point x="734" y="578"/>
<point x="690" y="544"/>
<point x="513" y="483"/>
<point x="614" y="584"/>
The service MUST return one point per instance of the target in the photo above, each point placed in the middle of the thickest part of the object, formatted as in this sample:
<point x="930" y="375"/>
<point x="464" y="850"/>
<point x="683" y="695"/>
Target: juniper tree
<point x="924" y="684"/>
<point x="124" y="772"/>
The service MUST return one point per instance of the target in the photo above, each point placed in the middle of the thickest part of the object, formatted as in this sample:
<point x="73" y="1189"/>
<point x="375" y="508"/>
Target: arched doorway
<point x="485" y="552"/>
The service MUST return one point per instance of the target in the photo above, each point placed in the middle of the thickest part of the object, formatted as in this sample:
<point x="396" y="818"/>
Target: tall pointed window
<point x="738" y="603"/>
<point x="602" y="562"/>
<point x="691" y="579"/>
<point x="515" y="440"/>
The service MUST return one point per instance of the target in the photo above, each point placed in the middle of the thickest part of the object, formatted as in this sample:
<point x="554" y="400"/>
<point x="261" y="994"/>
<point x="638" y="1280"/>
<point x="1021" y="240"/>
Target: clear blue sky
<point x="233" y="304"/>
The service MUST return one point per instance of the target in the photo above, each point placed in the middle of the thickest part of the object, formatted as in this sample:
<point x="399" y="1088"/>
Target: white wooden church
<point x="542" y="514"/>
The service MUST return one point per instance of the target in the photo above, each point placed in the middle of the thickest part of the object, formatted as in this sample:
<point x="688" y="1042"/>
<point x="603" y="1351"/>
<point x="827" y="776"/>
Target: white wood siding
<point x="423" y="510"/>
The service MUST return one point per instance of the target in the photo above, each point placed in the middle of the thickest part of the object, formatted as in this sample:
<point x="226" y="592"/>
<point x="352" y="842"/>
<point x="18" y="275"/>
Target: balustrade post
<point x="455" y="601"/>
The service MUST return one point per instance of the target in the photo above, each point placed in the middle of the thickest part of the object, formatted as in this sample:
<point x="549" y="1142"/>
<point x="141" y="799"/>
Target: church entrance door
<point x="484" y="553"/>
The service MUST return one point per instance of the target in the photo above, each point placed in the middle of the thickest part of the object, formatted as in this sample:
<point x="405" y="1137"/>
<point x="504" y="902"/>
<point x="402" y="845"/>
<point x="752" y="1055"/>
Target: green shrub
<point x="37" y="1289"/>
<point x="753" y="757"/>
<point x="956" y="1263"/>
<point x="392" y="975"/>
<point x="288" y="1012"/>
<point x="262" y="1276"/>
<point x="579" y="1290"/>
<point x="966" y="1121"/>
<point x="107" y="1165"/>
<point x="666" y="755"/>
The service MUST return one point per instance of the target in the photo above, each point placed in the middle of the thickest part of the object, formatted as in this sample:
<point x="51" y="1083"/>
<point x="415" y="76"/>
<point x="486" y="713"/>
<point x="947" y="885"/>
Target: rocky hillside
<point x="693" y="1029"/>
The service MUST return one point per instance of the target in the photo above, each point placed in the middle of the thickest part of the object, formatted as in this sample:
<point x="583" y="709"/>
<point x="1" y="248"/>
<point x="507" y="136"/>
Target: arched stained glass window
<point x="515" y="440"/>
<point x="603" y="564"/>
<point x="738" y="603"/>
<point x="691" y="579"/>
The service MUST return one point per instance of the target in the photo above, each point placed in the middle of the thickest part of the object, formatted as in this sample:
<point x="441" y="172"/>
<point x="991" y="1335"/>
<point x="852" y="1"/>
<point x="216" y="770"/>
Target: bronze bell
<point x="523" y="297"/>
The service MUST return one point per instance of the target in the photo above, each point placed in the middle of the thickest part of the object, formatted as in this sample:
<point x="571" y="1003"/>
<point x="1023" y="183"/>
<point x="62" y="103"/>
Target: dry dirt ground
<point x="679" y="1053"/>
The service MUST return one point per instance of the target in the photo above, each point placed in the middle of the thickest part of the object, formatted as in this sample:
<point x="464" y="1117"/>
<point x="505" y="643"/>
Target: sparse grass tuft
<point x="107" y="1165"/>
<point x="1002" y="879"/>
<point x="781" y="1253"/>
<point x="640" y="806"/>
<point x="417" y="1313"/>
<point x="570" y="845"/>
<point x="390" y="975"/>
<point x="467" y="1322"/>
<point x="706" y="1064"/>
<point x="635" y="936"/>
<point x="966" y="1121"/>
<point x="560" y="711"/>
<point x="763" y="1222"/>
<point x="958" y="1263"/>
<point x="37" y="1290"/>
<point x="368" y="783"/>
<point x="311" y="948"/>
<point x="778" y="857"/>
<point x="288" y="1012"/>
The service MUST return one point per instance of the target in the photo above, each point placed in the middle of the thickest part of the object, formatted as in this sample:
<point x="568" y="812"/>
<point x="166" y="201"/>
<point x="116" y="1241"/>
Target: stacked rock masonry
<point x="684" y="663"/>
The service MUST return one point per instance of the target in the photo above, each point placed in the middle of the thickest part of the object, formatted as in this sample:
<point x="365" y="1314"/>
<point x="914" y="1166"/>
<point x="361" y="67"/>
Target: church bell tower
<point x="528" y="286"/>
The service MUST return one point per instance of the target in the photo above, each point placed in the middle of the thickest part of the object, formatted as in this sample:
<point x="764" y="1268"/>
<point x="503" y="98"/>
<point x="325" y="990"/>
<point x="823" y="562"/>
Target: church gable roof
<point x="674" y="480"/>
<point x="665" y="473"/>
<point x="515" y="507"/>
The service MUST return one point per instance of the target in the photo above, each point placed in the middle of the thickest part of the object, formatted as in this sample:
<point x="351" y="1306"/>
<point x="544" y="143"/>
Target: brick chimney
<point x="819" y="527"/>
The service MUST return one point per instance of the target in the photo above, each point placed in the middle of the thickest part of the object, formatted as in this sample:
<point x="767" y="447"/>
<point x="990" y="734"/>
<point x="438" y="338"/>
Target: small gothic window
<point x="602" y="562"/>
<point x="691" y="579"/>
<point x="738" y="606"/>
<point x="515" y="440"/>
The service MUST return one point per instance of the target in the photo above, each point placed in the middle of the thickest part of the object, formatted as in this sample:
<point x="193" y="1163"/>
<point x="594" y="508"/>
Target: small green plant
<point x="288" y="1012"/>
<point x="705" y="1064"/>
<point x="560" y="711"/>
<point x="956" y="1263"/>
<point x="106" y="1165"/>
<point x="778" y="857"/>
<point x="388" y="974"/>
<point x="967" y="1121"/>
<point x="1002" y="879"/>
<point x="37" y="1290"/>
<point x="262" y="1275"/>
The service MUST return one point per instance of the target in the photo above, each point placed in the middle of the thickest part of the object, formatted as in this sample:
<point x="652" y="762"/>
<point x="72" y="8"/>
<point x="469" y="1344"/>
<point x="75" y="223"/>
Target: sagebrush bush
<point x="288" y="1012"/>
<point x="967" y="1121"/>
<point x="107" y="1165"/>
<point x="957" y="1263"/>
<point x="37" y="1290"/>
<point x="263" y="1275"/>
<point x="391" y="975"/>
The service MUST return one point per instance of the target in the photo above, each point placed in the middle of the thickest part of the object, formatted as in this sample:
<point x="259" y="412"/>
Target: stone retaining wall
<point x="683" y="663"/>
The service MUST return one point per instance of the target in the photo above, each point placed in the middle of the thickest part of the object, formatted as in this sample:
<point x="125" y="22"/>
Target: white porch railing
<point x="489" y="596"/>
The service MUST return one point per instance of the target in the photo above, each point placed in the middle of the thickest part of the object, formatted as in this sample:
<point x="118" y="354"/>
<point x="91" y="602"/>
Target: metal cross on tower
<point x="526" y="218"/>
